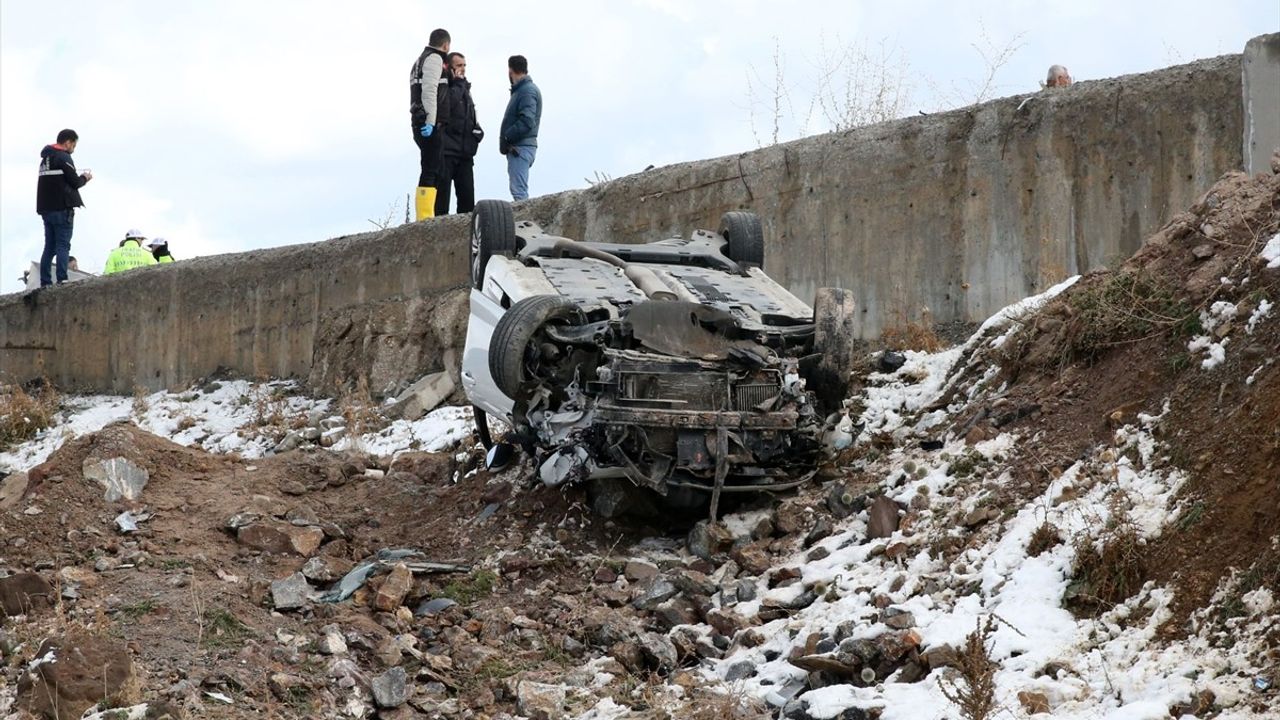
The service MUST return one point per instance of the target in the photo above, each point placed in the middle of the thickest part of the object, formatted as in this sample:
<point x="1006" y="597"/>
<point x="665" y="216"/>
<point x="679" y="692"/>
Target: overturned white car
<point x="676" y="365"/>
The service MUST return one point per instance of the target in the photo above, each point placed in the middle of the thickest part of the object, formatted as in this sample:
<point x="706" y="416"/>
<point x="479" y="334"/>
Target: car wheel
<point x="513" y="355"/>
<point x="745" y="238"/>
<point x="493" y="232"/>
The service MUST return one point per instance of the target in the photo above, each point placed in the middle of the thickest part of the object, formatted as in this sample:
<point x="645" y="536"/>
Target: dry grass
<point x="1046" y="537"/>
<point x="732" y="705"/>
<point x="23" y="415"/>
<point x="140" y="403"/>
<point x="971" y="687"/>
<point x="1108" y="573"/>
<point x="915" y="335"/>
<point x="360" y="413"/>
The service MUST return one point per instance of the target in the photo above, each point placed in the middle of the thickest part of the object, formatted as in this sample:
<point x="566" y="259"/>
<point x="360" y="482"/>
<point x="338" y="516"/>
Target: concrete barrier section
<point x="960" y="212"/>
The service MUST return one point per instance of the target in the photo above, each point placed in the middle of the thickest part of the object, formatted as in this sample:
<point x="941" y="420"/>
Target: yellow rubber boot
<point x="426" y="203"/>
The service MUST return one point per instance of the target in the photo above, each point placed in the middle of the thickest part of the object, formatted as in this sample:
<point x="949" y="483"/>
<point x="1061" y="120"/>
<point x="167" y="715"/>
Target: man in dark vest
<point x="428" y="113"/>
<point x="462" y="138"/>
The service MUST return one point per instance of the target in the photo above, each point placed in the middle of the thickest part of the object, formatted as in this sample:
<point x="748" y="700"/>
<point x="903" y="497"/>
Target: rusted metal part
<point x="785" y="419"/>
<point x="752" y="488"/>
<point x="688" y="330"/>
<point x="722" y="468"/>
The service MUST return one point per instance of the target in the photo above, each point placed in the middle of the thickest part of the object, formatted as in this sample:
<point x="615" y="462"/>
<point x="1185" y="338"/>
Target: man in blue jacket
<point x="57" y="197"/>
<point x="518" y="138"/>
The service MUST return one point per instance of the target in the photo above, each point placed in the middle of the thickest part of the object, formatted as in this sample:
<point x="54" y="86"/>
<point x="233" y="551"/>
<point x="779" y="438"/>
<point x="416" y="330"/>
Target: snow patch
<point x="1215" y="352"/>
<point x="1260" y="312"/>
<point x="1271" y="253"/>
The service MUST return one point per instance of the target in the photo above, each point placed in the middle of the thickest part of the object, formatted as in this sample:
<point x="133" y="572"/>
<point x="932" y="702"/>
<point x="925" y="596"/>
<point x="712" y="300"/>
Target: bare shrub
<point x="916" y="335"/>
<point x="852" y="85"/>
<point x="732" y="705"/>
<point x="1109" y="569"/>
<point x="858" y="85"/>
<point x="358" y="409"/>
<point x="388" y="220"/>
<point x="971" y="686"/>
<point x="141" y="403"/>
<point x="1045" y="538"/>
<point x="995" y="57"/>
<point x="1124" y="307"/>
<point x="23" y="415"/>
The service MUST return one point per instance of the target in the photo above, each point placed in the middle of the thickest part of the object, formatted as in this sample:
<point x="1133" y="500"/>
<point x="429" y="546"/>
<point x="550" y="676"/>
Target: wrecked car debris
<point x="127" y="521"/>
<point x="385" y="558"/>
<point x="677" y="365"/>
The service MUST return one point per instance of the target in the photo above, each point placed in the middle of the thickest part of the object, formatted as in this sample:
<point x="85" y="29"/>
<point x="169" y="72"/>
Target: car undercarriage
<point x="678" y="365"/>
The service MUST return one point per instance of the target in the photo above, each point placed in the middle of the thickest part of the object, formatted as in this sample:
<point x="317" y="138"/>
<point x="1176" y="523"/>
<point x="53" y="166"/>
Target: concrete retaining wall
<point x="960" y="212"/>
<point x="1261" y="70"/>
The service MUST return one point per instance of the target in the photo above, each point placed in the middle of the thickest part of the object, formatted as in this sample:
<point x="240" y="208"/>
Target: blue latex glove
<point x="426" y="130"/>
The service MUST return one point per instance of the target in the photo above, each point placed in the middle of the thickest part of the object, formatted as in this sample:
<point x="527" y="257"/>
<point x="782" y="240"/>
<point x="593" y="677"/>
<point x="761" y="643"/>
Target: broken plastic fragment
<point x="563" y="465"/>
<point x="499" y="457"/>
<point x="128" y="520"/>
<point x="433" y="606"/>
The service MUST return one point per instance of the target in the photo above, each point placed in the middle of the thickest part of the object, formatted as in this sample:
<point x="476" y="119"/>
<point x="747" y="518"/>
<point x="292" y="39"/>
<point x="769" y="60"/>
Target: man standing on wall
<point x="518" y="137"/>
<point x="462" y="138"/>
<point x="57" y="197"/>
<point x="428" y="113"/>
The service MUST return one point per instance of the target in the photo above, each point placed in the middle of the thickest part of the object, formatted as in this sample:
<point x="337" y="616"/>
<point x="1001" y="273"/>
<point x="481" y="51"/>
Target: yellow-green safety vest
<point x="127" y="257"/>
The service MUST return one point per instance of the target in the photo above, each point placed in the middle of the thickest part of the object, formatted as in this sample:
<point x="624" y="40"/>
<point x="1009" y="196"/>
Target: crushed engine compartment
<point x="672" y="394"/>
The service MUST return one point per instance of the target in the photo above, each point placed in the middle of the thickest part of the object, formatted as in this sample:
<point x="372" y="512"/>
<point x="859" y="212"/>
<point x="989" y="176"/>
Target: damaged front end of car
<point x="676" y="397"/>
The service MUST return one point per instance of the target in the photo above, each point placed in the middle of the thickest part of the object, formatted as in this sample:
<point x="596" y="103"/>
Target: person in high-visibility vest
<point x="129" y="255"/>
<point x="159" y="248"/>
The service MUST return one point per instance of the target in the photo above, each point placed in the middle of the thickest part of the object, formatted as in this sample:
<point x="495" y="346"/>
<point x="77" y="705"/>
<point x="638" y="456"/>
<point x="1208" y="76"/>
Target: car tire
<point x="493" y="232"/>
<point x="745" y="238"/>
<point x="515" y="330"/>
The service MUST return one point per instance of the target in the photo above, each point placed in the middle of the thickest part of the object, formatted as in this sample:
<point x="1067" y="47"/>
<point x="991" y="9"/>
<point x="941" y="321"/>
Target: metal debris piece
<point x="128" y="520"/>
<point x="386" y="557"/>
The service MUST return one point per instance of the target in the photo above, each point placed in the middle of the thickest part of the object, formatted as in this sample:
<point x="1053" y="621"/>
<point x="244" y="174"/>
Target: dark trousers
<point x="460" y="171"/>
<point x="57" y="241"/>
<point x="431" y="155"/>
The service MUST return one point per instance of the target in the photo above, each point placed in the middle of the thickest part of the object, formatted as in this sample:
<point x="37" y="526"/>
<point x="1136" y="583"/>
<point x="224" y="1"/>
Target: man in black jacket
<point x="429" y="116"/>
<point x="57" y="197"/>
<point x="462" y="138"/>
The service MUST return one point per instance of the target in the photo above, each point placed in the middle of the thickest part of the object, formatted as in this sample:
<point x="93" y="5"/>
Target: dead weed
<point x="23" y="415"/>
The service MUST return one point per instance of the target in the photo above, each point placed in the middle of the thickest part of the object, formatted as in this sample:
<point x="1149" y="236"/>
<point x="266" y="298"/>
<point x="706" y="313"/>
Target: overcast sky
<point x="232" y="125"/>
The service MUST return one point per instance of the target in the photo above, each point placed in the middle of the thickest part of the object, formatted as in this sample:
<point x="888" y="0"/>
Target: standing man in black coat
<point x="429" y="116"/>
<point x="462" y="138"/>
<point x="57" y="197"/>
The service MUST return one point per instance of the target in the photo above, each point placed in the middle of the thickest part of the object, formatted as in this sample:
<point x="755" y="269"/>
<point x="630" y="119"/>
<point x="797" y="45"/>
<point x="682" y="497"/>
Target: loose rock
<point x="394" y="589"/>
<point x="391" y="688"/>
<point x="540" y="701"/>
<point x="121" y="479"/>
<point x="72" y="673"/>
<point x="25" y="593"/>
<point x="291" y="592"/>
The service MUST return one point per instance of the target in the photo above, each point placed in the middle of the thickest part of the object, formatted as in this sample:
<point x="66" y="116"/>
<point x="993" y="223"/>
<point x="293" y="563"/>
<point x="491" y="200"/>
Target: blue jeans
<point x="519" y="160"/>
<point x="57" y="241"/>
